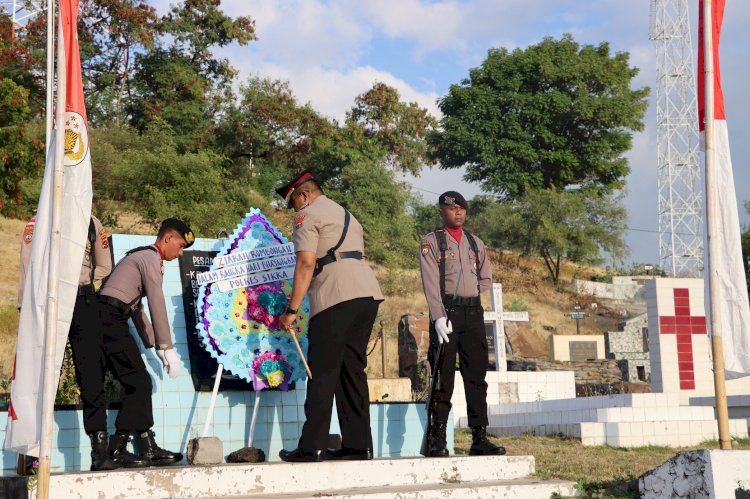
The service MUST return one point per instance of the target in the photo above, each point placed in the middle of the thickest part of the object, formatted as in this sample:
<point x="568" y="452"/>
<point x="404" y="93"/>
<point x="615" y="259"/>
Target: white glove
<point x="443" y="328"/>
<point x="171" y="362"/>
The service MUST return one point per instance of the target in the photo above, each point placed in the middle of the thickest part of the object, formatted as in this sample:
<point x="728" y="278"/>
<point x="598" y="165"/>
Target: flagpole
<point x="50" y="347"/>
<point x="50" y="71"/>
<point x="714" y="252"/>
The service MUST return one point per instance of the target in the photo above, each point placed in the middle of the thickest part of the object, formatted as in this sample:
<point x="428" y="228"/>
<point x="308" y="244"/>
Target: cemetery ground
<point x="601" y="472"/>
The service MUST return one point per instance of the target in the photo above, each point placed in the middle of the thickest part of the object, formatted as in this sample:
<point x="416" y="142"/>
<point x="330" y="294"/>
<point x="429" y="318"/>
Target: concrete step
<point x="283" y="478"/>
<point x="506" y="489"/>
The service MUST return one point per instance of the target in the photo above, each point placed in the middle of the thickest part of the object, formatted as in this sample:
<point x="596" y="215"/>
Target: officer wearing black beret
<point x="456" y="268"/>
<point x="140" y="273"/>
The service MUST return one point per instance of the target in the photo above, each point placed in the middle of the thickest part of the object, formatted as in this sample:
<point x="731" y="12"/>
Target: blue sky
<point x="331" y="51"/>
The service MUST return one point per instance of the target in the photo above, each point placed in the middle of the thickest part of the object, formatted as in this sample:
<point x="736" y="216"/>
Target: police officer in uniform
<point x="344" y="298"/>
<point x="84" y="334"/>
<point x="455" y="268"/>
<point x="140" y="273"/>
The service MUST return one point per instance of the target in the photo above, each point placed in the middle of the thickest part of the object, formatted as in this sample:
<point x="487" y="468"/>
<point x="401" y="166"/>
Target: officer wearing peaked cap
<point x="456" y="268"/>
<point x="344" y="298"/>
<point x="140" y="273"/>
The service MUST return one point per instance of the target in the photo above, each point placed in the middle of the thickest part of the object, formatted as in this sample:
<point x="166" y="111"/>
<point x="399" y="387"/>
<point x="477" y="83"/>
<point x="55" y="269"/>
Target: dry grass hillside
<point x="525" y="287"/>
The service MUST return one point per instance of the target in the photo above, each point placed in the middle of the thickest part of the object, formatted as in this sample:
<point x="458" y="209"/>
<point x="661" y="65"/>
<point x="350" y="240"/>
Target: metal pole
<point x="50" y="373"/>
<point x="382" y="346"/>
<point x="714" y="252"/>
<point x="50" y="71"/>
<point x="254" y="418"/>
<point x="578" y="325"/>
<point x="211" y="404"/>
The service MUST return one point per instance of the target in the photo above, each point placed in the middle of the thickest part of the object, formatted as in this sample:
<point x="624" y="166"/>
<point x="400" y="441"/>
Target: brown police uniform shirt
<point x="102" y="257"/>
<point x="26" y="238"/>
<point x="100" y="247"/>
<point x="137" y="275"/>
<point x="317" y="228"/>
<point x="460" y="270"/>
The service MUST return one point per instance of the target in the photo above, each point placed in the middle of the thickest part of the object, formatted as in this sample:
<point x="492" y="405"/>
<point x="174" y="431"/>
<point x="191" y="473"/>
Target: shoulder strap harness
<point x="330" y="256"/>
<point x="443" y="247"/>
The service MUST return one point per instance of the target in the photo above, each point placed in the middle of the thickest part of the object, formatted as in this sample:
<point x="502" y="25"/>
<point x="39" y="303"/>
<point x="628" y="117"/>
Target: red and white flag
<point x="23" y="432"/>
<point x="730" y="274"/>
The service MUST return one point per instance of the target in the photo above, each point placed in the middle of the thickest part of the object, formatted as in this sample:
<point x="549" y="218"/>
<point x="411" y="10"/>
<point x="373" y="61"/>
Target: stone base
<point x="713" y="474"/>
<point x="390" y="390"/>
<point x="205" y="450"/>
<point x="247" y="455"/>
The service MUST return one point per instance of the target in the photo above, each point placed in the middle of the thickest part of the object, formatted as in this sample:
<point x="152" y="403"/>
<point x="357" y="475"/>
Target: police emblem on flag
<point x="76" y="139"/>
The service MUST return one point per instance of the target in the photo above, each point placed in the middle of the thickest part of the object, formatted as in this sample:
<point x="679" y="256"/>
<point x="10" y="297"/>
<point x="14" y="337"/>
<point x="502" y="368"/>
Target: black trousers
<point x="100" y="341"/>
<point x="470" y="342"/>
<point x="337" y="355"/>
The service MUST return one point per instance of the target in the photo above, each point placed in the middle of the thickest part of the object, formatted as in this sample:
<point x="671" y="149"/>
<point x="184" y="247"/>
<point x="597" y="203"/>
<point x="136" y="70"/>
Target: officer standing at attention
<point x="455" y="269"/>
<point x="140" y="273"/>
<point x="344" y="299"/>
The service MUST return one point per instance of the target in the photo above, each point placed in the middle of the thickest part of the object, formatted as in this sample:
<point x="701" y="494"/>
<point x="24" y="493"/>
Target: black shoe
<point x="145" y="446"/>
<point x="118" y="452"/>
<point x="301" y="456"/>
<point x="438" y="445"/>
<point x="480" y="446"/>
<point x="347" y="454"/>
<point x="100" y="459"/>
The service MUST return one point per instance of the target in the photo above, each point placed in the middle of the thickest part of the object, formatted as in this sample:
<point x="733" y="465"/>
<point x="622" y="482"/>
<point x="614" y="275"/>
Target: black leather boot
<point x="100" y="460"/>
<point x="480" y="446"/>
<point x="118" y="452"/>
<point x="439" y="445"/>
<point x="146" y="448"/>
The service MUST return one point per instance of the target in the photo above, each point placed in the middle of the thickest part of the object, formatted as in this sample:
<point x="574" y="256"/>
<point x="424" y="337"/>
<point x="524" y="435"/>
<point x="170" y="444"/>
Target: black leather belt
<point x="120" y="305"/>
<point x="331" y="257"/>
<point x="461" y="301"/>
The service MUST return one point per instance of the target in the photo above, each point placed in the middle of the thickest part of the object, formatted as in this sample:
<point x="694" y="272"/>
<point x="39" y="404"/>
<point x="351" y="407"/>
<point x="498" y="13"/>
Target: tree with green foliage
<point x="148" y="174"/>
<point x="745" y="242"/>
<point x="556" y="226"/>
<point x="426" y="216"/>
<point x="21" y="154"/>
<point x="180" y="81"/>
<point x="269" y="136"/>
<point x="553" y="115"/>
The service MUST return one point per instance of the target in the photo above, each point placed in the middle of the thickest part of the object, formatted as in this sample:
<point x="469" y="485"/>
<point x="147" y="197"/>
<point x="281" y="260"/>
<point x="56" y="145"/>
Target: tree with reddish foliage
<point x="399" y="127"/>
<point x="22" y="64"/>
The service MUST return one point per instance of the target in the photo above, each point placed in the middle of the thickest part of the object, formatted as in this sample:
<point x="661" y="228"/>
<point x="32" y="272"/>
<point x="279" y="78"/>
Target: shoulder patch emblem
<point x="103" y="238"/>
<point x="28" y="233"/>
<point x="298" y="220"/>
<point x="425" y="248"/>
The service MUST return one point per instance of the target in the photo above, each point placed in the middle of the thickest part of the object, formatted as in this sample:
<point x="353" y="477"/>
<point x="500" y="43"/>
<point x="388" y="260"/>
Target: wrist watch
<point x="290" y="310"/>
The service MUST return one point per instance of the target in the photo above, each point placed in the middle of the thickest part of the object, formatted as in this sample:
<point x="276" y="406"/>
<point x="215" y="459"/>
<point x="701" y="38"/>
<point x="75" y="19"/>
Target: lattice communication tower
<point x="679" y="176"/>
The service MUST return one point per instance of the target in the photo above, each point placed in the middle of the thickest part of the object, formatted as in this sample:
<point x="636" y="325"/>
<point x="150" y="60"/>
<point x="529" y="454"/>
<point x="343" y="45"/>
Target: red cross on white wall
<point x="684" y="326"/>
